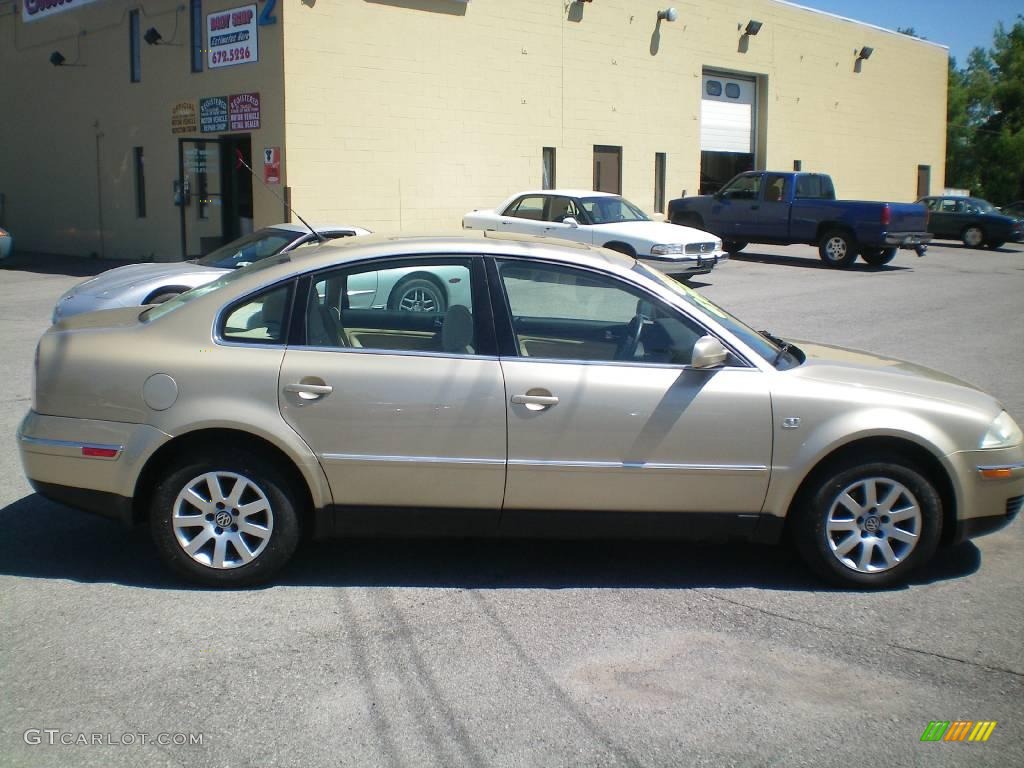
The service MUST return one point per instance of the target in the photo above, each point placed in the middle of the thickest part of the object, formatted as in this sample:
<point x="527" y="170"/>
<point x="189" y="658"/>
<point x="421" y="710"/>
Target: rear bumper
<point x="108" y="505"/>
<point x="908" y="239"/>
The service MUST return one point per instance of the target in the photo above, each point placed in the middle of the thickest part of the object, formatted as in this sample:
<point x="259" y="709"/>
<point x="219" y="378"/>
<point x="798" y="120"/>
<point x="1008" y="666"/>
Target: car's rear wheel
<point x="973" y="237"/>
<point x="733" y="247"/>
<point x="878" y="257"/>
<point x="418" y="294"/>
<point x="837" y="248"/>
<point x="224" y="519"/>
<point x="868" y="525"/>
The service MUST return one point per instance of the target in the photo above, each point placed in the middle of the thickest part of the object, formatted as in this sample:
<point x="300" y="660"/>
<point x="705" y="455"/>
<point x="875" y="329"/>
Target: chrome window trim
<point x="626" y="364"/>
<point x="362" y="457"/>
<point x="397" y="352"/>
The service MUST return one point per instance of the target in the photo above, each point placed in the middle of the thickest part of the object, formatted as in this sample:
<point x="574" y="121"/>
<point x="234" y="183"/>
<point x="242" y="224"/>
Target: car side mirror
<point x="571" y="221"/>
<point x="708" y="352"/>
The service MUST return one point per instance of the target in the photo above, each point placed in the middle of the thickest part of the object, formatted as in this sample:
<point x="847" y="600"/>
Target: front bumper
<point x="86" y="463"/>
<point x="987" y="500"/>
<point x="684" y="265"/>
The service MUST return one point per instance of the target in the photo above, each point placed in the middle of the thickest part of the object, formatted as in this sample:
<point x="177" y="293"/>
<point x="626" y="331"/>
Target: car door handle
<point x="309" y="391"/>
<point x="535" y="402"/>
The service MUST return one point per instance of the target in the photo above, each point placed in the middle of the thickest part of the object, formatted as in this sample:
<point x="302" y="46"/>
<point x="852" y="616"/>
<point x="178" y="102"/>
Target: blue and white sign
<point x="231" y="37"/>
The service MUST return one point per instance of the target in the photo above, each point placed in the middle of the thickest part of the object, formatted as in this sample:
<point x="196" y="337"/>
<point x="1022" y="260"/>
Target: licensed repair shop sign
<point x="231" y="37"/>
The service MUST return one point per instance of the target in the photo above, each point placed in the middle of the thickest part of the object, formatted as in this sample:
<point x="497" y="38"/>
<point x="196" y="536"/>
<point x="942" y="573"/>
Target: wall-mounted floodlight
<point x="57" y="58"/>
<point x="865" y="53"/>
<point x="753" y="27"/>
<point x="669" y="14"/>
<point x="152" y="36"/>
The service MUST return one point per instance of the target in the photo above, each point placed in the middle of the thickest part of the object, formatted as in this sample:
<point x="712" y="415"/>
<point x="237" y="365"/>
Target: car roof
<point x="468" y="242"/>
<point x="565" y="193"/>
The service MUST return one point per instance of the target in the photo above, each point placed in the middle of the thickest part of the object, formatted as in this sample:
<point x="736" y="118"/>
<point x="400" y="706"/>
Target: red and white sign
<point x="231" y="37"/>
<point x="272" y="165"/>
<point x="33" y="10"/>
<point x="244" y="111"/>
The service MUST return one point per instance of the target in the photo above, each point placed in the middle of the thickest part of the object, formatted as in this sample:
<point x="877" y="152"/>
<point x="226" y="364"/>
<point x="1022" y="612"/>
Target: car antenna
<point x="241" y="161"/>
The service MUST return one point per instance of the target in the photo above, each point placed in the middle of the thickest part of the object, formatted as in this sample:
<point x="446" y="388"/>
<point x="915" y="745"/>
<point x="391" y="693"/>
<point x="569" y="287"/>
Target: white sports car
<point x="600" y="218"/>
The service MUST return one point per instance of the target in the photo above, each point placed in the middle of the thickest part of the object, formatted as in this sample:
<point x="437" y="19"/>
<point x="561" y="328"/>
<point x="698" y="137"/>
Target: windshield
<point x="158" y="311"/>
<point x="764" y="347"/>
<point x="248" y="249"/>
<point x="611" y="210"/>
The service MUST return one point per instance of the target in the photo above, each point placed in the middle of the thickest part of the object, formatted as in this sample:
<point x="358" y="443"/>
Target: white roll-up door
<point x="727" y="114"/>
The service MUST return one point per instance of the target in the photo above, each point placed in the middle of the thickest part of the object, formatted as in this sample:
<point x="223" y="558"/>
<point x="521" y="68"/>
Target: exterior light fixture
<point x="865" y="53"/>
<point x="669" y="14"/>
<point x="753" y="27"/>
<point x="57" y="58"/>
<point x="152" y="37"/>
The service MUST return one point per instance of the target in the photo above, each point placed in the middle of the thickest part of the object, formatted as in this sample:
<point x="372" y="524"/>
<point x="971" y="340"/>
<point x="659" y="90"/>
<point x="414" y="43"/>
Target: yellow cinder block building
<point x="129" y="126"/>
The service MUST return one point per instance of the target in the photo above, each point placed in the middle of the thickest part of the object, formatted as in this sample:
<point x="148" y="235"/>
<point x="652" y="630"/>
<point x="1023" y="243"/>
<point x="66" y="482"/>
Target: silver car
<point x="564" y="390"/>
<point x="137" y="284"/>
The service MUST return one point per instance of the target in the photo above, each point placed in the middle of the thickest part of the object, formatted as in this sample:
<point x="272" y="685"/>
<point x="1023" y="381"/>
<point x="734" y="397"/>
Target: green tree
<point x="985" y="119"/>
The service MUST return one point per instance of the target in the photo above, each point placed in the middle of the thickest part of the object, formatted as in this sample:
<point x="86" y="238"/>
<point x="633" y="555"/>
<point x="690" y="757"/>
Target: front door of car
<point x="565" y="209"/>
<point x="402" y="401"/>
<point x="604" y="414"/>
<point x="735" y="207"/>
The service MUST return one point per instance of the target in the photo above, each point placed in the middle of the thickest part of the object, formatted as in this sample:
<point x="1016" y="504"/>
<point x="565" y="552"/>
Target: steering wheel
<point x="630" y="338"/>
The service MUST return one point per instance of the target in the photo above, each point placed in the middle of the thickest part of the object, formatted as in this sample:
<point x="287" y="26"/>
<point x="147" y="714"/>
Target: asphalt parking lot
<point x="395" y="653"/>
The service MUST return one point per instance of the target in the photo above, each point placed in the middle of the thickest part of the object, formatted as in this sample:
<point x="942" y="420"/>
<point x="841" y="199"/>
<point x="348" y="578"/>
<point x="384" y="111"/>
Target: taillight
<point x="886" y="215"/>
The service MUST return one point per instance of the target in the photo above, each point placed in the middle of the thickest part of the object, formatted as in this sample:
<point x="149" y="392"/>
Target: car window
<point x="742" y="188"/>
<point x="611" y="209"/>
<point x="933" y="203"/>
<point x="775" y="187"/>
<point x="248" y="249"/>
<point x="562" y="313"/>
<point x="415" y="307"/>
<point x="560" y="206"/>
<point x="261" y="319"/>
<point x="530" y="207"/>
<point x="952" y="206"/>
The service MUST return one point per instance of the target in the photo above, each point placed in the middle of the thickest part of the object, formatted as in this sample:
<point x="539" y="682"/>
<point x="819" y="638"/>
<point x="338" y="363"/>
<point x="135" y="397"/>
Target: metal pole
<point x="99" y="192"/>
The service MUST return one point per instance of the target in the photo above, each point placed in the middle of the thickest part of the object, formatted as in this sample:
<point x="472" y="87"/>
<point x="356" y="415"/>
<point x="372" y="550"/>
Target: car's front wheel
<point x="732" y="247"/>
<point x="224" y="519"/>
<point x="868" y="525"/>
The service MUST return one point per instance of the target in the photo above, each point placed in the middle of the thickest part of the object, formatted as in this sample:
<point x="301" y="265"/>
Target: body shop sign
<point x="245" y="111"/>
<point x="231" y="37"/>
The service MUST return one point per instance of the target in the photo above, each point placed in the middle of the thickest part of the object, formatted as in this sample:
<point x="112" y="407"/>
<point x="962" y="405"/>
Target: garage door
<point x="727" y="114"/>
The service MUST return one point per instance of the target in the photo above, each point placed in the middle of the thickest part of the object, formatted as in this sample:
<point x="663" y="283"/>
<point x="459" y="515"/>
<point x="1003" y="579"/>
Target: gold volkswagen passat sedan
<point x="562" y="390"/>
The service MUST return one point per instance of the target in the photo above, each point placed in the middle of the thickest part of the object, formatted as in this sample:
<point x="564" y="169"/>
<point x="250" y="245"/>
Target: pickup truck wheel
<point x="878" y="257"/>
<point x="838" y="248"/>
<point x="733" y="246"/>
<point x="973" y="237"/>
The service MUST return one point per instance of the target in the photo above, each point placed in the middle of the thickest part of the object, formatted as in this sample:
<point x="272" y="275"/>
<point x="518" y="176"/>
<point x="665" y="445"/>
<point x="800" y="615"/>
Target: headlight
<point x="1003" y="433"/>
<point x="718" y="245"/>
<point x="666" y="249"/>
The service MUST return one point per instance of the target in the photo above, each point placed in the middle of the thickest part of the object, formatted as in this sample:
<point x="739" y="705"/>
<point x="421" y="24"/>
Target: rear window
<point x="815" y="187"/>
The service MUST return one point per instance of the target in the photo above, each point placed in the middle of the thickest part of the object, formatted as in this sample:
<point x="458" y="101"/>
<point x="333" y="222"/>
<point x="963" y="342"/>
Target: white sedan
<point x="600" y="218"/>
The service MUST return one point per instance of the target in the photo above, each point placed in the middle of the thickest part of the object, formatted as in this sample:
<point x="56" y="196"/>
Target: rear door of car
<point x="593" y="426"/>
<point x="404" y="409"/>
<point x="525" y="215"/>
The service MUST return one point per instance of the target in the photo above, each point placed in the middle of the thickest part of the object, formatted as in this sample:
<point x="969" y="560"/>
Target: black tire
<point x="973" y="236"/>
<point x="272" y="514"/>
<point x="878" y="257"/>
<point x="823" y="534"/>
<point x="160" y="298"/>
<point x="994" y="244"/>
<point x="838" y="248"/>
<point x="732" y="247"/>
<point x="418" y="293"/>
<point x="621" y="248"/>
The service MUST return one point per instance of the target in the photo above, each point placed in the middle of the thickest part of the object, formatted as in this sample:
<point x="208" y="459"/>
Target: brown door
<point x="608" y="169"/>
<point x="924" y="180"/>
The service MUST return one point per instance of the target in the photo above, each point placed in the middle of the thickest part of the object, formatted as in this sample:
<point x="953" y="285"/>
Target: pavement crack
<point x="897" y="646"/>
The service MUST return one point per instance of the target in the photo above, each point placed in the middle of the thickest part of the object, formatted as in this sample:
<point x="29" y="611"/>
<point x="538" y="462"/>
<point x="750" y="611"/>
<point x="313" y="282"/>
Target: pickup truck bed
<point x="788" y="208"/>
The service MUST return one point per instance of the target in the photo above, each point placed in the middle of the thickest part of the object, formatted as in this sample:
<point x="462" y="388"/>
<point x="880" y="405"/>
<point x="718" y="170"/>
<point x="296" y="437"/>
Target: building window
<point x="133" y="46"/>
<point x="732" y="91"/>
<point x="196" y="22"/>
<point x="140" y="184"/>
<point x="798" y="165"/>
<point x="713" y="88"/>
<point x="924" y="180"/>
<point x="659" y="182"/>
<point x="608" y="169"/>
<point x="549" y="168"/>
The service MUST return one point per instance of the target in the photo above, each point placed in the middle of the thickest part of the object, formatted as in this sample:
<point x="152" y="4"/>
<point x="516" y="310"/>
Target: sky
<point x="959" y="24"/>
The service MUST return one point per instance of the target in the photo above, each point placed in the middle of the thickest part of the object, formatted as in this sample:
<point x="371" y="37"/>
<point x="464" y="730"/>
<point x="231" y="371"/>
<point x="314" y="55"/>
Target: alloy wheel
<point x="873" y="525"/>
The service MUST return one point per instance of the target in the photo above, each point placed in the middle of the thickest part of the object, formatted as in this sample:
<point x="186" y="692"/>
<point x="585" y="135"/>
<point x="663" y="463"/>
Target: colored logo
<point x="958" y="730"/>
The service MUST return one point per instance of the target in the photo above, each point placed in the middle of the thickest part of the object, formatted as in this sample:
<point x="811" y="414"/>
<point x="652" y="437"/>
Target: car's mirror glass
<point x="708" y="352"/>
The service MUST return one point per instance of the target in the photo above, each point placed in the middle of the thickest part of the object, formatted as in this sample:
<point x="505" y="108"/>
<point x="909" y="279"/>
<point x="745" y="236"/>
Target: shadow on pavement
<point x="52" y="264"/>
<point x="48" y="541"/>
<point x="814" y="263"/>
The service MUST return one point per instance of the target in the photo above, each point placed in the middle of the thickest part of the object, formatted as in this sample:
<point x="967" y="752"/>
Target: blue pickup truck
<point x="787" y="208"/>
